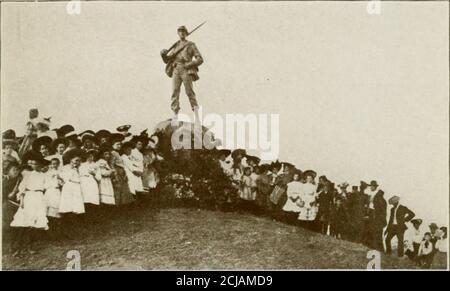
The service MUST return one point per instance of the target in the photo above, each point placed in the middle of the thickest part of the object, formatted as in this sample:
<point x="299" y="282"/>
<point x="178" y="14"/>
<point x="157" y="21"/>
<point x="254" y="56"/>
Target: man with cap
<point x="396" y="226"/>
<point x="186" y="59"/>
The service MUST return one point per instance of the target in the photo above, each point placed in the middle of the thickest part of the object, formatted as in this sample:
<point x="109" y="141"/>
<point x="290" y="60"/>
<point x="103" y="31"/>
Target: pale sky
<point x="360" y="96"/>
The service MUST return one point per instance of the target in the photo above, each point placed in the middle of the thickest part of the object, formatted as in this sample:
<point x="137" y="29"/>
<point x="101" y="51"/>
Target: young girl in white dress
<point x="52" y="196"/>
<point x="71" y="195"/>
<point x="138" y="160"/>
<point x="104" y="172"/>
<point x="307" y="202"/>
<point x="53" y="183"/>
<point x="89" y="185"/>
<point x="246" y="191"/>
<point x="291" y="208"/>
<point x="32" y="212"/>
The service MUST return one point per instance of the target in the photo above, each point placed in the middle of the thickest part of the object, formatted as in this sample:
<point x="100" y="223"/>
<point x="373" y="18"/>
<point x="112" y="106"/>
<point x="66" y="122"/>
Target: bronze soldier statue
<point x="182" y="61"/>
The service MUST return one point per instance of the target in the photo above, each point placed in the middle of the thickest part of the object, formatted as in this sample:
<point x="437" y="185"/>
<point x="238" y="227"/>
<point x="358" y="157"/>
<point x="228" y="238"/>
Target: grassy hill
<point x="143" y="238"/>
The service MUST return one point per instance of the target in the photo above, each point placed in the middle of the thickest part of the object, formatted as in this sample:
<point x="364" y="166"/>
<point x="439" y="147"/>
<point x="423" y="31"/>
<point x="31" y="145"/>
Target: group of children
<point x="66" y="175"/>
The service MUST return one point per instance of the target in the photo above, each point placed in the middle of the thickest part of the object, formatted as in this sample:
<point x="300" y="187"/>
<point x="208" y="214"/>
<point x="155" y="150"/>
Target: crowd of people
<point x="357" y="213"/>
<point x="58" y="174"/>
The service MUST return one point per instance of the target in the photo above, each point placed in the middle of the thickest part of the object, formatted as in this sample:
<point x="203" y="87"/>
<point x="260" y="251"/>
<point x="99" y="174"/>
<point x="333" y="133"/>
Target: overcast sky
<point x="360" y="96"/>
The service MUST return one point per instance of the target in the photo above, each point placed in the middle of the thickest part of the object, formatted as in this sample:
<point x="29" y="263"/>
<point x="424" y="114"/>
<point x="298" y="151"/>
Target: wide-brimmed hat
<point x="309" y="173"/>
<point x="87" y="135"/>
<point x="253" y="159"/>
<point x="394" y="199"/>
<point x="123" y="129"/>
<point x="32" y="155"/>
<point x="224" y="152"/>
<point x="43" y="140"/>
<point x="9" y="134"/>
<point x="238" y="153"/>
<point x="73" y="135"/>
<point x="9" y="138"/>
<point x="116" y="137"/>
<point x="373" y="183"/>
<point x="102" y="133"/>
<point x="63" y="130"/>
<point x="287" y="165"/>
<point x="298" y="172"/>
<point x="142" y="138"/>
<point x="73" y="153"/>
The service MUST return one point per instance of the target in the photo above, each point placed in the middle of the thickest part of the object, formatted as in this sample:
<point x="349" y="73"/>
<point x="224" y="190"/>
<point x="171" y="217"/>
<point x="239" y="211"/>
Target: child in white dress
<point x="138" y="160"/>
<point x="89" y="185"/>
<point x="32" y="211"/>
<point x="53" y="183"/>
<point x="246" y="191"/>
<point x="307" y="202"/>
<point x="104" y="172"/>
<point x="293" y="194"/>
<point x="71" y="195"/>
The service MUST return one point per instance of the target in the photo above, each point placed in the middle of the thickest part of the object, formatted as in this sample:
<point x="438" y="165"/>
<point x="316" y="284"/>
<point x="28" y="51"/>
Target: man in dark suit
<point x="355" y="205"/>
<point x="378" y="221"/>
<point x="396" y="226"/>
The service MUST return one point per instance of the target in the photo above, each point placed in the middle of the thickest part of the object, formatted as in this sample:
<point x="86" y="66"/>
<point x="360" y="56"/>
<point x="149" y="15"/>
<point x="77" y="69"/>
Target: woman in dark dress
<point x="122" y="194"/>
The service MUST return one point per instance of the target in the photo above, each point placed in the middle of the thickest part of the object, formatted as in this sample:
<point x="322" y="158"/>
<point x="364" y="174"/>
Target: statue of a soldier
<point x="182" y="61"/>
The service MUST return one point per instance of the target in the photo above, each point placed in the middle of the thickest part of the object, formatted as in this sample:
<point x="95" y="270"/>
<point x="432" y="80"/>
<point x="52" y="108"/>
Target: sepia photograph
<point x="224" y="136"/>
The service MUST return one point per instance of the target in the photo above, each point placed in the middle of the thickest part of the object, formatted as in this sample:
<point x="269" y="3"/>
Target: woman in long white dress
<point x="307" y="202"/>
<point x="89" y="185"/>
